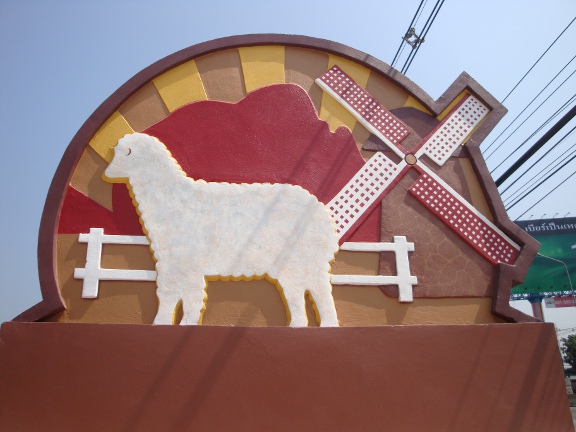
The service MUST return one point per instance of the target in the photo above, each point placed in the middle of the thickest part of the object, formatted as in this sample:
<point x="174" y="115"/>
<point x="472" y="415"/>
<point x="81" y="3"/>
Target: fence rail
<point x="93" y="273"/>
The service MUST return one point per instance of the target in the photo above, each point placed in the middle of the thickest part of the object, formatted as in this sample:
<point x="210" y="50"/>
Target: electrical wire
<point x="541" y="183"/>
<point x="519" y="194"/>
<point x="542" y="126"/>
<point x="536" y="178"/>
<point x="543" y="172"/>
<point x="415" y="19"/>
<point x="403" y="41"/>
<point x="530" y="103"/>
<point x="530" y="115"/>
<point x="541" y="141"/>
<point x="540" y="58"/>
<point x="532" y="166"/>
<point x="558" y="126"/>
<point x="425" y="30"/>
<point x="401" y="49"/>
<point x="548" y="194"/>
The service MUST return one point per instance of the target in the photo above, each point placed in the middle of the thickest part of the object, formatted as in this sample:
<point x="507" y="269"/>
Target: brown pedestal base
<point x="84" y="377"/>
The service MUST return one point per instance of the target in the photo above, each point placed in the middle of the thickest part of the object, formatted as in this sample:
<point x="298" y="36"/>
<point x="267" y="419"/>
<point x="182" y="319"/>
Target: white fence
<point x="93" y="273"/>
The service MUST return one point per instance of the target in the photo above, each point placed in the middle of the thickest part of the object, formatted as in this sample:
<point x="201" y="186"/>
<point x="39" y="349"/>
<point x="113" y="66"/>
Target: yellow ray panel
<point x="262" y="66"/>
<point x="411" y="102"/>
<point x="180" y="86"/>
<point x="358" y="73"/>
<point x="108" y="135"/>
<point x="331" y="111"/>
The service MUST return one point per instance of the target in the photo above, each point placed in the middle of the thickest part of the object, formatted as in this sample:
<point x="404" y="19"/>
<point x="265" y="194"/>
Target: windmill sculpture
<point x="380" y="174"/>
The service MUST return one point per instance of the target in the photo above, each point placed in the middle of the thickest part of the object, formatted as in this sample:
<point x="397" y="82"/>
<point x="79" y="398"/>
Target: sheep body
<point x="199" y="229"/>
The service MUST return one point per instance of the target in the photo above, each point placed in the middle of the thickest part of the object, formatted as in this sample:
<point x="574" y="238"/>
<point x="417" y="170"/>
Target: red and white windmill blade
<point x="379" y="175"/>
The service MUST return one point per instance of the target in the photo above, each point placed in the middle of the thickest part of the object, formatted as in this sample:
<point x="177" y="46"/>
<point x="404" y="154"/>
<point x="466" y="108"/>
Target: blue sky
<point x="60" y="59"/>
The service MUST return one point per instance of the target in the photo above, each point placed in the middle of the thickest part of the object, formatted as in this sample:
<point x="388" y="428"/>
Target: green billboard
<point x="553" y="271"/>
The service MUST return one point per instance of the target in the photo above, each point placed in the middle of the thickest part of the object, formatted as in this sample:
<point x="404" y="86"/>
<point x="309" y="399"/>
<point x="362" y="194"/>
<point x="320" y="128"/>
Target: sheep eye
<point x="129" y="151"/>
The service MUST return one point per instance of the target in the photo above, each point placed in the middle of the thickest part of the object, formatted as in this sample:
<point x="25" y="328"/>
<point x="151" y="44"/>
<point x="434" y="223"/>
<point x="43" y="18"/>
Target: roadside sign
<point x="558" y="302"/>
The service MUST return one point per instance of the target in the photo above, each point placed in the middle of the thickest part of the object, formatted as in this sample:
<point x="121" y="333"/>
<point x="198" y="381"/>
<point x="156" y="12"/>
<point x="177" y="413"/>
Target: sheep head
<point x="129" y="154"/>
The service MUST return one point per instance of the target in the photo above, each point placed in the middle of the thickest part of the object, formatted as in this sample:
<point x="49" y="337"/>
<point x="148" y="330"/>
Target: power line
<point x="547" y="49"/>
<point x="535" y="177"/>
<point x="425" y="30"/>
<point x="542" y="126"/>
<point x="535" y="97"/>
<point x="548" y="194"/>
<point x="538" y="180"/>
<point x="530" y="115"/>
<point x="532" y="166"/>
<point x="542" y="182"/>
<point x="411" y="26"/>
<point x="401" y="49"/>
<point x="538" y="145"/>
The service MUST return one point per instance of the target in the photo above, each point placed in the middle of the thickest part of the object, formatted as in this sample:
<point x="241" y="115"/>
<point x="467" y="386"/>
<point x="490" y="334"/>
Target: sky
<point x="60" y="59"/>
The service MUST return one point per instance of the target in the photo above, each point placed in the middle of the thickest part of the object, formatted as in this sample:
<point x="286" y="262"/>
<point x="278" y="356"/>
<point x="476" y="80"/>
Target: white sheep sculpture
<point x="201" y="229"/>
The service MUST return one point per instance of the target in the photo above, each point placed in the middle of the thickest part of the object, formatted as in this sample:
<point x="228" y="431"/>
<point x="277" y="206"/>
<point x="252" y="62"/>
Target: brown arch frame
<point x="505" y="276"/>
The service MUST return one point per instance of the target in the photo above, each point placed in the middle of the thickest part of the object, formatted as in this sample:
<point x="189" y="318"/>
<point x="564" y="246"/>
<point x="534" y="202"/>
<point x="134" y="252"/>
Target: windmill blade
<point x="366" y="109"/>
<point x="453" y="131"/>
<point x="363" y="192"/>
<point x="471" y="225"/>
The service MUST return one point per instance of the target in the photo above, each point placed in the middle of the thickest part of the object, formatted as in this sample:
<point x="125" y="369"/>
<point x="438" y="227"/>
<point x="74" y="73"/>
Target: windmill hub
<point x="410" y="159"/>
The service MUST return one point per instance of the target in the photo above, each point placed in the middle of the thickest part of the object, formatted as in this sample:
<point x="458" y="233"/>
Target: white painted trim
<point x="372" y="247"/>
<point x="119" y="274"/>
<point x="403" y="279"/>
<point x="367" y="280"/>
<point x="116" y="239"/>
<point x="92" y="273"/>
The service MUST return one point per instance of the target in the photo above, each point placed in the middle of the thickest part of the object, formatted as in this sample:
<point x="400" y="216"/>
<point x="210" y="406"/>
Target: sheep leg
<point x="296" y="304"/>
<point x="171" y="292"/>
<point x="167" y="302"/>
<point x="193" y="301"/>
<point x="322" y="295"/>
